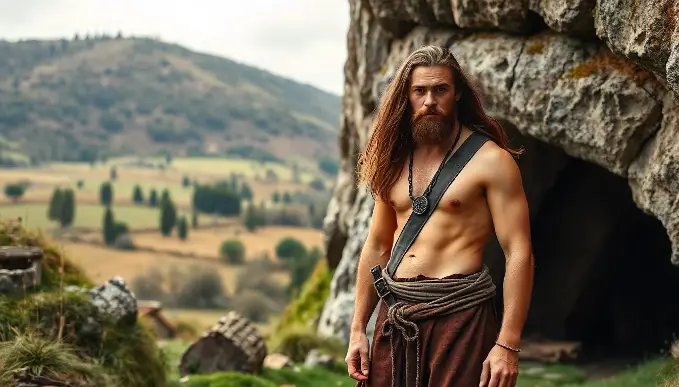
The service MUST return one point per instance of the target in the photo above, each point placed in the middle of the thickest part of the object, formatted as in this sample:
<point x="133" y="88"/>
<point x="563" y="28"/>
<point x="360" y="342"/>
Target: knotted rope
<point x="418" y="300"/>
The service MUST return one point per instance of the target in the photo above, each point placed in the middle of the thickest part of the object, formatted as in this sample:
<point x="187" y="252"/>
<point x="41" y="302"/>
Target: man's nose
<point x="429" y="101"/>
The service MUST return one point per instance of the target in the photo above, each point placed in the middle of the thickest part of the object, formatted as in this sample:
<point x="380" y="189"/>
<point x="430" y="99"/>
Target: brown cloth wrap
<point x="438" y="333"/>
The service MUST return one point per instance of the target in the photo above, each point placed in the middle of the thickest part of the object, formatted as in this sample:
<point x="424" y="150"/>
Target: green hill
<point x="84" y="99"/>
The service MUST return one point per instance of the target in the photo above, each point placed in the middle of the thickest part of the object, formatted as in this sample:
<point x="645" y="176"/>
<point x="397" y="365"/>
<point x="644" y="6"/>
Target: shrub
<point x="254" y="305"/>
<point x="232" y="251"/>
<point x="297" y="343"/>
<point x="289" y="248"/>
<point x="203" y="289"/>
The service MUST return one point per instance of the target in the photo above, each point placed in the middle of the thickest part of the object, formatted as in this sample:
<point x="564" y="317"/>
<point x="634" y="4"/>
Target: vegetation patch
<point x="36" y="324"/>
<point x="306" y="308"/>
<point x="298" y="377"/>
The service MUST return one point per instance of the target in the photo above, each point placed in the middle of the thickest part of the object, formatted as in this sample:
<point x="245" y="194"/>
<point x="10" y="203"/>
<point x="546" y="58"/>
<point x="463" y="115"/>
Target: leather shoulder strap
<point x="415" y="222"/>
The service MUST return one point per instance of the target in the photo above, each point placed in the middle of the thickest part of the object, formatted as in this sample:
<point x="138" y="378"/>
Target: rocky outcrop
<point x="579" y="81"/>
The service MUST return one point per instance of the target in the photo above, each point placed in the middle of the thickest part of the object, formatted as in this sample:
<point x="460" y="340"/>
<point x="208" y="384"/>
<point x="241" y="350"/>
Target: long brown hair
<point x="379" y="164"/>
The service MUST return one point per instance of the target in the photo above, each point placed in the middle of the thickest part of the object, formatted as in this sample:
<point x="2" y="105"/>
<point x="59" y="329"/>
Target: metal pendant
<point x="420" y="205"/>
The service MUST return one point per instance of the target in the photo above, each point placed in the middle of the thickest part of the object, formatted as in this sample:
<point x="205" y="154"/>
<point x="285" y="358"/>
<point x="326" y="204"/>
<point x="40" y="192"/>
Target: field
<point x="83" y="240"/>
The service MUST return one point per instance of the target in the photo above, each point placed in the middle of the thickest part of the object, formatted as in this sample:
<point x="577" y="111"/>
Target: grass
<point x="29" y="322"/>
<point x="34" y="215"/>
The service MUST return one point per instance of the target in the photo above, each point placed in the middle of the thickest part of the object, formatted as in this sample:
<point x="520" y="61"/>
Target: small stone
<point x="552" y="376"/>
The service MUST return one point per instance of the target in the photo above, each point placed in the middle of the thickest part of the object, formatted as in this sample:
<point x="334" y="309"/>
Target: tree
<point x="276" y="197"/>
<point x="232" y="251"/>
<point x="194" y="220"/>
<point x="186" y="182"/>
<point x="287" y="199"/>
<point x="216" y="199"/>
<point x="138" y="196"/>
<point x="246" y="191"/>
<point x="67" y="212"/>
<point x="113" y="173"/>
<point x="108" y="227"/>
<point x="106" y="194"/>
<point x="54" y="209"/>
<point x="165" y="196"/>
<point x="15" y="191"/>
<point x="153" y="198"/>
<point x="251" y="219"/>
<point x="183" y="228"/>
<point x="168" y="216"/>
<point x="290" y="248"/>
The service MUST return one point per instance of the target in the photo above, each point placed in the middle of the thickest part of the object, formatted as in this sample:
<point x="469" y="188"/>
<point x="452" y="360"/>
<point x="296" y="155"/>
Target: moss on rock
<point x="127" y="354"/>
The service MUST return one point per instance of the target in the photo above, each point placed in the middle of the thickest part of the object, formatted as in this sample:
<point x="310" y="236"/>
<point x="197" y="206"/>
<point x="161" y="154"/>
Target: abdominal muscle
<point x="447" y="244"/>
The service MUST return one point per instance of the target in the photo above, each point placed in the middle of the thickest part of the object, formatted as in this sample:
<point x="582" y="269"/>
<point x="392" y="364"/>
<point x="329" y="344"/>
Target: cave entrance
<point x="603" y="275"/>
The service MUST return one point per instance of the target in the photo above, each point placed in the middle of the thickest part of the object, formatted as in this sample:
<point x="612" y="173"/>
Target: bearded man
<point x="444" y="178"/>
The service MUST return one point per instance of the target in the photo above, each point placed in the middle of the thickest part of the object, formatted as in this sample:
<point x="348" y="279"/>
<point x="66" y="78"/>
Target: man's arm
<point x="376" y="250"/>
<point x="509" y="210"/>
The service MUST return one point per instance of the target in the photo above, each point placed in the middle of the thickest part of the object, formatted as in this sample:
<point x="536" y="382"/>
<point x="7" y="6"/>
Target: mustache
<point x="423" y="112"/>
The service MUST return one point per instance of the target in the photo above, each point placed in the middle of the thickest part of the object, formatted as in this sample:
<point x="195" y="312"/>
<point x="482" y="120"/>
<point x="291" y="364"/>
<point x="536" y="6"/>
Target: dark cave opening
<point x="603" y="275"/>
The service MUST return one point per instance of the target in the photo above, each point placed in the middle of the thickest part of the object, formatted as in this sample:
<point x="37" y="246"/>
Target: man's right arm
<point x="376" y="251"/>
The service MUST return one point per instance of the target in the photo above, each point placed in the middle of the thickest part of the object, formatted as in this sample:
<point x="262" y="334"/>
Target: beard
<point x="431" y="127"/>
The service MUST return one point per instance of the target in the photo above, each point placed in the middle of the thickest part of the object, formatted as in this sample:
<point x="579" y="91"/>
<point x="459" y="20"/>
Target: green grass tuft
<point x="48" y="318"/>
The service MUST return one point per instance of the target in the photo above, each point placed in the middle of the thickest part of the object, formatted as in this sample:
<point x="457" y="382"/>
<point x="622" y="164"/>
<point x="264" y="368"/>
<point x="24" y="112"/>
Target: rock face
<point x="591" y="90"/>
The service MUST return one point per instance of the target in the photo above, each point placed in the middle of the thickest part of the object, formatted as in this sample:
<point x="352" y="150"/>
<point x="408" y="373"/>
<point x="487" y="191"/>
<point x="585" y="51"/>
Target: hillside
<point x="86" y="99"/>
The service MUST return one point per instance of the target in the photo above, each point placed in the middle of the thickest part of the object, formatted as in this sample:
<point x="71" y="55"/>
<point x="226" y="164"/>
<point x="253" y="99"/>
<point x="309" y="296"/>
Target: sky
<point x="304" y="40"/>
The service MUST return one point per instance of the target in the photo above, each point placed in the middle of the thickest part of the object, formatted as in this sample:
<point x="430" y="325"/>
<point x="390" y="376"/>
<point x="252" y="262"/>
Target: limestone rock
<point x="507" y="15"/>
<point x="112" y="298"/>
<point x="573" y="17"/>
<point x="644" y="31"/>
<point x="654" y="175"/>
<point x="339" y="308"/>
<point x="316" y="358"/>
<point x="602" y="116"/>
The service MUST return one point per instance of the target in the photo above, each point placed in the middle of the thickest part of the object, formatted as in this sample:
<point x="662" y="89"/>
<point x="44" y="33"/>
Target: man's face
<point x="432" y="99"/>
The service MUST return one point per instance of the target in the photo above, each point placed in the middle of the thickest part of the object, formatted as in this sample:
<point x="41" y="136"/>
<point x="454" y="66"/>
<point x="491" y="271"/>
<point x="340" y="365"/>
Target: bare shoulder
<point x="498" y="166"/>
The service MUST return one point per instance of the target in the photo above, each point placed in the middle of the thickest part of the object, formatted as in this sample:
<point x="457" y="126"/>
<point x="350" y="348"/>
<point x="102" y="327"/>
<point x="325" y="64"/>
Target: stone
<point x="116" y="300"/>
<point x="644" y="31"/>
<point x="233" y="344"/>
<point x="572" y="17"/>
<point x="20" y="268"/>
<point x="316" y="358"/>
<point x="277" y="361"/>
<point x="599" y="120"/>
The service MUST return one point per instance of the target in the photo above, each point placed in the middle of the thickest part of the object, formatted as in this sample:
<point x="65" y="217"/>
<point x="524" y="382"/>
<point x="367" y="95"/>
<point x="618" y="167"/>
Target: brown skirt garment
<point x="453" y="348"/>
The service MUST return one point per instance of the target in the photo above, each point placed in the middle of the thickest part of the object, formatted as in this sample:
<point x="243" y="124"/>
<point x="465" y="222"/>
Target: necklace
<point x="421" y="203"/>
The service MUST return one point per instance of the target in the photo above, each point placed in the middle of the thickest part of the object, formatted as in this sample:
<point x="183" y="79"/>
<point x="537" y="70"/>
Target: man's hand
<point x="357" y="356"/>
<point x="500" y="369"/>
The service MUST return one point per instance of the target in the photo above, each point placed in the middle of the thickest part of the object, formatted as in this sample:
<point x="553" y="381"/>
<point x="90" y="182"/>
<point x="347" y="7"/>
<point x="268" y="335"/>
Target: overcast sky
<point x="304" y="40"/>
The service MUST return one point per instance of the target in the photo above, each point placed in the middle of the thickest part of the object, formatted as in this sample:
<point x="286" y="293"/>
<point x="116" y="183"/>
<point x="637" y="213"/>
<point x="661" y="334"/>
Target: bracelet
<point x="508" y="347"/>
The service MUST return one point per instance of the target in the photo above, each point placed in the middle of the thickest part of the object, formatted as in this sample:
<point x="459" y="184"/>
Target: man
<point x="442" y="330"/>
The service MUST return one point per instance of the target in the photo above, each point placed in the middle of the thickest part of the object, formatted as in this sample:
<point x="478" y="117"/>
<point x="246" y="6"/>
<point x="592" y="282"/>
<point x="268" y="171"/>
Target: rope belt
<point x="418" y="300"/>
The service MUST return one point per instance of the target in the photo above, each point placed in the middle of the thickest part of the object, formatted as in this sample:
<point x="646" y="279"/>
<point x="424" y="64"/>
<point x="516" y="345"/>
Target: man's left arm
<point x="509" y="210"/>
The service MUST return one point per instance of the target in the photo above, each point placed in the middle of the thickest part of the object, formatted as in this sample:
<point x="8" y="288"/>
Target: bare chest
<point x="461" y="196"/>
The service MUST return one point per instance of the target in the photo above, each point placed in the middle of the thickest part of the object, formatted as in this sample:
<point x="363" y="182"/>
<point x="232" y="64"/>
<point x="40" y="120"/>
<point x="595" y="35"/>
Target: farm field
<point x="34" y="215"/>
<point x="206" y="242"/>
<point x="101" y="264"/>
<point x="130" y="172"/>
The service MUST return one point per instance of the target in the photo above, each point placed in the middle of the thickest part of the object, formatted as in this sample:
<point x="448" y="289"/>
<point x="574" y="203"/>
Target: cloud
<point x="304" y="40"/>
